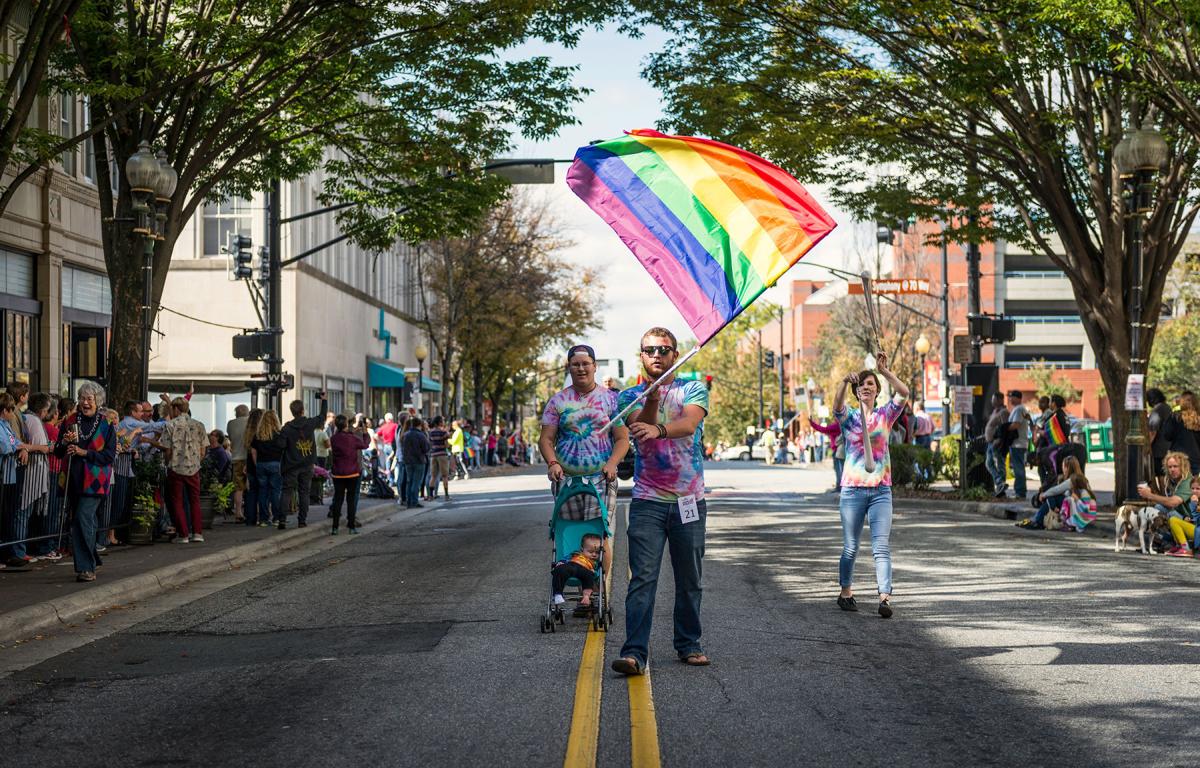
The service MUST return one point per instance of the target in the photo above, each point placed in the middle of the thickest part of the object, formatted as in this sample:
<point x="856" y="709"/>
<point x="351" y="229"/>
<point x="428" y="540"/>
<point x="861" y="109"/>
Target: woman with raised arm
<point x="867" y="478"/>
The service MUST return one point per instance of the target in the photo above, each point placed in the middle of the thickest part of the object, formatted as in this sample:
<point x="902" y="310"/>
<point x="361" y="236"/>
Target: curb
<point x="987" y="509"/>
<point x="26" y="622"/>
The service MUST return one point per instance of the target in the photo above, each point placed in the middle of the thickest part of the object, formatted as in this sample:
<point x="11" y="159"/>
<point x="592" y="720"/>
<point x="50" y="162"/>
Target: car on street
<point x="742" y="453"/>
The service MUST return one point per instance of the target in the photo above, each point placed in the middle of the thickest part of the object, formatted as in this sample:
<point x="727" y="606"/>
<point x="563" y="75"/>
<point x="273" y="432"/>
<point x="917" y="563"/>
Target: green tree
<point x="1049" y="381"/>
<point x="412" y="98"/>
<point x="1175" y="363"/>
<point x="38" y="30"/>
<point x="732" y="360"/>
<point x="983" y="107"/>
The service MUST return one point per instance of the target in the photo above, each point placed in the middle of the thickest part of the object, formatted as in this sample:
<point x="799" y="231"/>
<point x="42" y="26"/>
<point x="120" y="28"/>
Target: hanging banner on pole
<point x="1135" y="392"/>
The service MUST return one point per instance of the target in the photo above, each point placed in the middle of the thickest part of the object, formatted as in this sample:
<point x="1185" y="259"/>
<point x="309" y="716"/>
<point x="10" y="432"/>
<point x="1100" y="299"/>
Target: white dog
<point x="1147" y="521"/>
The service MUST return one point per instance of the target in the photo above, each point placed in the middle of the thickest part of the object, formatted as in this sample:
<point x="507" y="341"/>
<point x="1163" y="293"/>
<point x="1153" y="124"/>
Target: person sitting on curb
<point x="1055" y="496"/>
<point x="1174" y="500"/>
<point x="1185" y="531"/>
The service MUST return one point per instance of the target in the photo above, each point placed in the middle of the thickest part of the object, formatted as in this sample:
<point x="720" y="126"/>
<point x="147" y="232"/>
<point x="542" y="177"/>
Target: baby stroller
<point x="579" y="508"/>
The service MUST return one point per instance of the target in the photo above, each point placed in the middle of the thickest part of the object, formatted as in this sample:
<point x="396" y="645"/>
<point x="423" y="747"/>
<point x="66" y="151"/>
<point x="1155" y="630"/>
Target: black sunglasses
<point x="658" y="349"/>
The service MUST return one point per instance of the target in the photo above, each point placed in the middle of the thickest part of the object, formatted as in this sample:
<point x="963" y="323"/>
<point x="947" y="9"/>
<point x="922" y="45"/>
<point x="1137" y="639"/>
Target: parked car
<point x="742" y="453"/>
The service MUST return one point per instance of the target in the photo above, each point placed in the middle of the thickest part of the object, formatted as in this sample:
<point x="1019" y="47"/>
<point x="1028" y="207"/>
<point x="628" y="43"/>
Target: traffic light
<point x="769" y="358"/>
<point x="242" y="257"/>
<point x="264" y="266"/>
<point x="708" y="381"/>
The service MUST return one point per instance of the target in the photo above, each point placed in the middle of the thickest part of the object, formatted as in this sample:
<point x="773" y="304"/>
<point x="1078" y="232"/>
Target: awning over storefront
<point x="382" y="375"/>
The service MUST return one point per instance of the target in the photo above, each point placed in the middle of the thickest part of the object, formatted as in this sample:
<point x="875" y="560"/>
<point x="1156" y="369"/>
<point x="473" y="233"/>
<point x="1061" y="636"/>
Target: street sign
<point x="962" y="349"/>
<point x="893" y="287"/>
<point x="964" y="398"/>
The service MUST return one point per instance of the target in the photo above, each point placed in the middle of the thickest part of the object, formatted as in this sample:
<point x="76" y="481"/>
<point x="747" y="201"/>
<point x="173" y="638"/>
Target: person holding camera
<point x="299" y="456"/>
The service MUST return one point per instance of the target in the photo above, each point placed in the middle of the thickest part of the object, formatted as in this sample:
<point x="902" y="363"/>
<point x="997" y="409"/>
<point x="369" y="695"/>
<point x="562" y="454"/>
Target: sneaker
<point x="282" y="525"/>
<point x="86" y="576"/>
<point x="53" y="557"/>
<point x="197" y="538"/>
<point x="181" y="539"/>
<point x="1001" y="489"/>
<point x="353" y="530"/>
<point x="1179" y="551"/>
<point x="334" y="532"/>
<point x="301" y="524"/>
<point x="101" y="548"/>
<point x="263" y="524"/>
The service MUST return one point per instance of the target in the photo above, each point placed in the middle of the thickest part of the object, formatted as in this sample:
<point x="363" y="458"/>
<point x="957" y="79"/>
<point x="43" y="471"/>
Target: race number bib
<point x="688" y="511"/>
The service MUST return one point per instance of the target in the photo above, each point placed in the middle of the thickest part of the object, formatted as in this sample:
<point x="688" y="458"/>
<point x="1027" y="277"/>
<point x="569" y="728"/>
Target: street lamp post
<point x="922" y="347"/>
<point x="421" y="352"/>
<point x="1139" y="157"/>
<point x="152" y="181"/>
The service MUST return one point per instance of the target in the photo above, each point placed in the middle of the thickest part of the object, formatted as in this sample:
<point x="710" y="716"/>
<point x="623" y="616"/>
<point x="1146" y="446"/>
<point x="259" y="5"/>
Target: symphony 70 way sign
<point x="907" y="285"/>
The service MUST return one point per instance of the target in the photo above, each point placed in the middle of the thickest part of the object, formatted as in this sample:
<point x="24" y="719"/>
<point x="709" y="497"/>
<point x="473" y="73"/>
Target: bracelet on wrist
<point x="552" y="462"/>
<point x="662" y="431"/>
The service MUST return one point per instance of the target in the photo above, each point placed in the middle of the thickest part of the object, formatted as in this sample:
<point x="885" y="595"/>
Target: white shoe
<point x="181" y="539"/>
<point x="197" y="538"/>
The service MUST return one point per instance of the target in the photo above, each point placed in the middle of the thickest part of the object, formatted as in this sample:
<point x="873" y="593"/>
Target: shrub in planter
<point x="914" y="466"/>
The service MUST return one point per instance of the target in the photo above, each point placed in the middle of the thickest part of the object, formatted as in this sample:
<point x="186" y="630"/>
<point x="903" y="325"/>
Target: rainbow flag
<point x="714" y="225"/>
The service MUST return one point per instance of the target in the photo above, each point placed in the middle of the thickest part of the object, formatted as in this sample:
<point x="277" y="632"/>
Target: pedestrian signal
<point x="708" y="381"/>
<point x="769" y="358"/>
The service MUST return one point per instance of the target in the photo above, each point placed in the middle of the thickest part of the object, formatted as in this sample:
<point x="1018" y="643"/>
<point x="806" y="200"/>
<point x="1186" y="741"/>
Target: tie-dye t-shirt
<point x="854" y="472"/>
<point x="581" y="449"/>
<point x="664" y="470"/>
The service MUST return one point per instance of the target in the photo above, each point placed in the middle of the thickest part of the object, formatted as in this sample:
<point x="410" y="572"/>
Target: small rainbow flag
<point x="714" y="225"/>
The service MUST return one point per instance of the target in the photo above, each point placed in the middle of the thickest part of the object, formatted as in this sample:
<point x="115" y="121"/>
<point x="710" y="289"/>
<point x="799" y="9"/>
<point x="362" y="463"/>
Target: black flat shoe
<point x="847" y="604"/>
<point x="885" y="609"/>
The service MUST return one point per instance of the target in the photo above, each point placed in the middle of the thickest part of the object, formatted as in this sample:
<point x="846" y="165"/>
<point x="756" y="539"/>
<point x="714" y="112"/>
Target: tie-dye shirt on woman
<point x="664" y="470"/>
<point x="581" y="449"/>
<point x="880" y="421"/>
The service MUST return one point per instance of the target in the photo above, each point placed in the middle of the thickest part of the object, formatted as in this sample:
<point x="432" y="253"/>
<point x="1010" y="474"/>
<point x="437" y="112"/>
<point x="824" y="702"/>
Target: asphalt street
<point x="416" y="643"/>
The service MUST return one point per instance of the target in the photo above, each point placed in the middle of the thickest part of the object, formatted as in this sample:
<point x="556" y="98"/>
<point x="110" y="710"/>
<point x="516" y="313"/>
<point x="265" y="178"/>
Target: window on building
<point x="224" y="220"/>
<point x="16" y="274"/>
<point x="20" y="331"/>
<point x="85" y="290"/>
<point x="309" y="387"/>
<point x="88" y="149"/>
<point x="354" y="397"/>
<point x="335" y="389"/>
<point x="1065" y="356"/>
<point x="66" y="129"/>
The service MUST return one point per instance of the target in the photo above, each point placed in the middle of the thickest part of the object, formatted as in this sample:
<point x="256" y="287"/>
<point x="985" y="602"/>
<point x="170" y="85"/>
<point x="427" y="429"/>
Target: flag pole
<point x="653" y="386"/>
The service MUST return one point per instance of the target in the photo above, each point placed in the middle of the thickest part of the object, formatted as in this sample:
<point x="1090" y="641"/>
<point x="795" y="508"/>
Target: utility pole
<point x="945" y="331"/>
<point x="275" y="298"/>
<point x="760" y="381"/>
<point x="781" y="370"/>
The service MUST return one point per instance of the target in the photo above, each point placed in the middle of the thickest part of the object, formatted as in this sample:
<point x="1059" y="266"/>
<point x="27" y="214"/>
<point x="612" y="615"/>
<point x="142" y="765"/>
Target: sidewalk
<point x="46" y="596"/>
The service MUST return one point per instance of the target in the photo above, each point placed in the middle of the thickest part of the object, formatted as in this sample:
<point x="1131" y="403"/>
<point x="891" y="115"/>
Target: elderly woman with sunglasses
<point x="570" y="440"/>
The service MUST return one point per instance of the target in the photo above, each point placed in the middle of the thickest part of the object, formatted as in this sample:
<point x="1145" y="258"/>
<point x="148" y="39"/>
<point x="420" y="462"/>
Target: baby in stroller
<point x="580" y="565"/>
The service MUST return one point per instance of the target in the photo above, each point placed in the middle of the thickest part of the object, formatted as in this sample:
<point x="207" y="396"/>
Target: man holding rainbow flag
<point x="715" y="226"/>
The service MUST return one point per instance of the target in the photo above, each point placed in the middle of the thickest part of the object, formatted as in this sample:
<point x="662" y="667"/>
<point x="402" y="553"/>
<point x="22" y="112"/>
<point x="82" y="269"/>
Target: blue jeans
<point x="1016" y="460"/>
<point x="414" y="479"/>
<point x="995" y="465"/>
<point x="875" y="505"/>
<point x="837" y="471"/>
<point x="270" y="487"/>
<point x="20" y="530"/>
<point x="653" y="525"/>
<point x="1048" y="503"/>
<point x="83" y="533"/>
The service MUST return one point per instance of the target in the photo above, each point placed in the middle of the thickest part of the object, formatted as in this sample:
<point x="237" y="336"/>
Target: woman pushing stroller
<point x="571" y="442"/>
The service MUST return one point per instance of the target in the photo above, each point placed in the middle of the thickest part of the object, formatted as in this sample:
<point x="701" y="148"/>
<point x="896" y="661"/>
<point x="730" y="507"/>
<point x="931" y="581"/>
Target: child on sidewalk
<point x="581" y="565"/>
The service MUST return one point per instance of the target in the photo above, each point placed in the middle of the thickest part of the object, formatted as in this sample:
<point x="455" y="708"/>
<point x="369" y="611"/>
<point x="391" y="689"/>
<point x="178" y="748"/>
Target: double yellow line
<point x="584" y="739"/>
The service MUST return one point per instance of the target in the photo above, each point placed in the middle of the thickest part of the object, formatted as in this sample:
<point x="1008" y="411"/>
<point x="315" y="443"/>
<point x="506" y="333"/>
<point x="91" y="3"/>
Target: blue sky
<point x="610" y="65"/>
